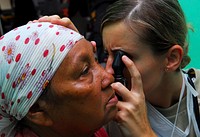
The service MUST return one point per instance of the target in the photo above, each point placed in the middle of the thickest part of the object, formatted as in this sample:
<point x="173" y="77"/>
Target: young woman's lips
<point x="112" y="101"/>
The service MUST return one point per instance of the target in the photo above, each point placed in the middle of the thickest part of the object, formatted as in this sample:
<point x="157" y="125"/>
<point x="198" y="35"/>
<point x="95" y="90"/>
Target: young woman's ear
<point x="174" y="57"/>
<point x="38" y="116"/>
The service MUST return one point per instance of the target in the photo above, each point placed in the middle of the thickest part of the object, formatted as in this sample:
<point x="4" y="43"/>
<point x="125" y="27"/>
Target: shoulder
<point x="196" y="73"/>
<point x="197" y="81"/>
<point x="193" y="72"/>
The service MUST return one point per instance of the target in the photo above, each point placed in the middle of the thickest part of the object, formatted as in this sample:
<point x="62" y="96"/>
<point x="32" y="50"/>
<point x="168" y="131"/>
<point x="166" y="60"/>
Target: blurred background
<point x="86" y="15"/>
<point x="192" y="12"/>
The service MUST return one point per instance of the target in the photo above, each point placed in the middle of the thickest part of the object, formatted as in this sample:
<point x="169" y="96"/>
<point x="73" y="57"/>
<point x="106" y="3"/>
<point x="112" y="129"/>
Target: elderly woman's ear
<point x="38" y="115"/>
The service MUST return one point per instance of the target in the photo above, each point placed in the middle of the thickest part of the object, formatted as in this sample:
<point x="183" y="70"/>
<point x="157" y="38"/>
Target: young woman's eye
<point x="85" y="71"/>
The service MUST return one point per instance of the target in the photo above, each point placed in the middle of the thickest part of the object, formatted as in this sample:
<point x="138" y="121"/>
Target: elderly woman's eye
<point x="85" y="71"/>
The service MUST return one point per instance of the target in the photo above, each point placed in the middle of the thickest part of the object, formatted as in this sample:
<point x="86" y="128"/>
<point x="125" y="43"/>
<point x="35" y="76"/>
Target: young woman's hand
<point x="132" y="112"/>
<point x="55" y="19"/>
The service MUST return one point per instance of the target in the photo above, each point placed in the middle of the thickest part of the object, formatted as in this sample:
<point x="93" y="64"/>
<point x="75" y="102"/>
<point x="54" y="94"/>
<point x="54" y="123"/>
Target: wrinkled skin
<point x="82" y="86"/>
<point x="83" y="98"/>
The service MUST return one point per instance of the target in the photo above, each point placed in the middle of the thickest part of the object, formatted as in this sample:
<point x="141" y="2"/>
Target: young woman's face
<point x="119" y="37"/>
<point x="85" y="99"/>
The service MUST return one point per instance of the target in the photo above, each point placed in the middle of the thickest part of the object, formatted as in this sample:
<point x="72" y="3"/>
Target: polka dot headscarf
<point x="29" y="57"/>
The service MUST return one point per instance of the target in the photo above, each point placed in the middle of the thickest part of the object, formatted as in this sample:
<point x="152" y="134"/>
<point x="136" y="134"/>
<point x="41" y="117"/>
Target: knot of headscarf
<point x="29" y="57"/>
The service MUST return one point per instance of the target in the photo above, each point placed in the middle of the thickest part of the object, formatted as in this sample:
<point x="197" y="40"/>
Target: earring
<point x="166" y="69"/>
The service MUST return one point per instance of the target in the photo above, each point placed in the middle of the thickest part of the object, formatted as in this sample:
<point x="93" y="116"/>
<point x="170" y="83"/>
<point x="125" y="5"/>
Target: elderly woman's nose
<point x="108" y="66"/>
<point x="107" y="78"/>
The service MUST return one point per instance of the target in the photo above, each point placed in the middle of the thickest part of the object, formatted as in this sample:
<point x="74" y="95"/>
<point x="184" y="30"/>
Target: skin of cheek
<point x="82" y="102"/>
<point x="151" y="75"/>
<point x="80" y="110"/>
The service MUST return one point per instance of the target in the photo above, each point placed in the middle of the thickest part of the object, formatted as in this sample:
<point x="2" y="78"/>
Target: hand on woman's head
<point x="55" y="19"/>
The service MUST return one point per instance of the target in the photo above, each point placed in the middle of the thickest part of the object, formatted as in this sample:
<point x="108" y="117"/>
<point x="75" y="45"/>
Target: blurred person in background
<point x="25" y="11"/>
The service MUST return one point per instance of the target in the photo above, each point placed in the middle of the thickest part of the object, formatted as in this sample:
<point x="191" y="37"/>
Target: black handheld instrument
<point x="118" y="67"/>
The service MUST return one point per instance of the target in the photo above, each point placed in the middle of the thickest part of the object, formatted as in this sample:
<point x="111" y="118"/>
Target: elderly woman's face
<point x="85" y="98"/>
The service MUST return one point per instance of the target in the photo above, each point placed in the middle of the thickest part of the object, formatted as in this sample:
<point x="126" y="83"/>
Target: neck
<point x="167" y="94"/>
